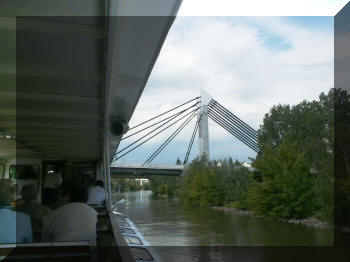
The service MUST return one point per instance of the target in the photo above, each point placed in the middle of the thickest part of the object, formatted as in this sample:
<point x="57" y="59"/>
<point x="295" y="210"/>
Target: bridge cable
<point x="151" y="158"/>
<point x="234" y="132"/>
<point x="172" y="136"/>
<point x="240" y="124"/>
<point x="153" y="130"/>
<point x="255" y="133"/>
<point x="233" y="123"/>
<point x="215" y="103"/>
<point x="252" y="146"/>
<point x="164" y="113"/>
<point x="172" y="116"/>
<point x="237" y="129"/>
<point x="194" y="110"/>
<point x="192" y="140"/>
<point x="242" y="128"/>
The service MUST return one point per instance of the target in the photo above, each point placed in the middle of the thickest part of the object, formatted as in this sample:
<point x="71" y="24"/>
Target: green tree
<point x="125" y="184"/>
<point x="164" y="185"/>
<point x="236" y="180"/>
<point x="288" y="189"/>
<point x="308" y="126"/>
<point x="230" y="162"/>
<point x="178" y="161"/>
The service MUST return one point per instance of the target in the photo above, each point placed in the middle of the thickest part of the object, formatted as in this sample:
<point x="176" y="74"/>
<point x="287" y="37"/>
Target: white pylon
<point x="203" y="130"/>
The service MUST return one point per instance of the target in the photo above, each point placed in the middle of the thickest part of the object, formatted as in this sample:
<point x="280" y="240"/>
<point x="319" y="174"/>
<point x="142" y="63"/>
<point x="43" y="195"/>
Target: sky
<point x="246" y="63"/>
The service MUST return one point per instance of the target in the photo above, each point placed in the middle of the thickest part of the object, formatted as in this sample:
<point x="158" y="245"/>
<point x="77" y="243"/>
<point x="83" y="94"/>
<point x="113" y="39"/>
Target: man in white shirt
<point x="97" y="194"/>
<point x="73" y="221"/>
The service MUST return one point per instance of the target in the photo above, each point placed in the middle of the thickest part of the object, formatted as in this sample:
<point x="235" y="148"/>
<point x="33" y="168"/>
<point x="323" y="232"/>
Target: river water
<point x="165" y="222"/>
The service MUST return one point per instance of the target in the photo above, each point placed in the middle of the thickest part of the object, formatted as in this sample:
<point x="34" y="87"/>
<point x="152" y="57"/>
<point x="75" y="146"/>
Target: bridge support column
<point x="203" y="130"/>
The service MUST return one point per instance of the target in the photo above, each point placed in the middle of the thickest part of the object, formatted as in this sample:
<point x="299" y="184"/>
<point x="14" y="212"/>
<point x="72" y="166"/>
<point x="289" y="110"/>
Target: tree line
<point x="295" y="177"/>
<point x="128" y="184"/>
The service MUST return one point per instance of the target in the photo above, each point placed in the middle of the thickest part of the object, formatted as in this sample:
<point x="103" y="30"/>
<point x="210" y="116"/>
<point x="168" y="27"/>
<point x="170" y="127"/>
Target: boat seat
<point x="50" y="251"/>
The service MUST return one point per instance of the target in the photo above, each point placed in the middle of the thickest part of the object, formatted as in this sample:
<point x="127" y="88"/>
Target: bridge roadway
<point x="146" y="171"/>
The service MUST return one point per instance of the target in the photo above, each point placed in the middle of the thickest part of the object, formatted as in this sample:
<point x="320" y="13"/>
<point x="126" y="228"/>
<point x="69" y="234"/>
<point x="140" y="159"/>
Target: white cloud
<point x="229" y="58"/>
<point x="258" y="7"/>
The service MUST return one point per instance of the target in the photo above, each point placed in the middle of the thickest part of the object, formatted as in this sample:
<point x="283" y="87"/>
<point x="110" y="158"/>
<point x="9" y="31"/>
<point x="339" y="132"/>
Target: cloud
<point x="247" y="64"/>
<point x="258" y="7"/>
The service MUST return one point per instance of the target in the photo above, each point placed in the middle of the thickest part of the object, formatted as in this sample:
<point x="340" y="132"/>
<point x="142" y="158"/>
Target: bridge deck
<point x="137" y="171"/>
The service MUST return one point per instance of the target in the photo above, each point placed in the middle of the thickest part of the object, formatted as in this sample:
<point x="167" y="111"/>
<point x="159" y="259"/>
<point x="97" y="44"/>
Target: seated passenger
<point x="50" y="191"/>
<point x="33" y="209"/>
<point x="97" y="194"/>
<point x="15" y="227"/>
<point x="74" y="220"/>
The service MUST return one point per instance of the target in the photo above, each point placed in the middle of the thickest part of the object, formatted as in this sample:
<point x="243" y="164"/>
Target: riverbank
<point x="312" y="222"/>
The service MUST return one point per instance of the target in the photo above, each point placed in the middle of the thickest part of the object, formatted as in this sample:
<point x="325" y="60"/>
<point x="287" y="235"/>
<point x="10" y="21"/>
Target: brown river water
<point x="180" y="233"/>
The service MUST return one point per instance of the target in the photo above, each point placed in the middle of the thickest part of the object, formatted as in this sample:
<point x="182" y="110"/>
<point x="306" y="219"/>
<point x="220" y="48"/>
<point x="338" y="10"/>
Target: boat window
<point x="124" y="224"/>
<point x="128" y="230"/>
<point x="132" y="240"/>
<point x="2" y="171"/>
<point x="141" y="254"/>
<point x="85" y="172"/>
<point x="25" y="174"/>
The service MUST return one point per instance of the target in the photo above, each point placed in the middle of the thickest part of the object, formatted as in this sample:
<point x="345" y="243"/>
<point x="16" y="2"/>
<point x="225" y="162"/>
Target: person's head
<point x="28" y="192"/>
<point x="99" y="183"/>
<point x="7" y="192"/>
<point x="73" y="192"/>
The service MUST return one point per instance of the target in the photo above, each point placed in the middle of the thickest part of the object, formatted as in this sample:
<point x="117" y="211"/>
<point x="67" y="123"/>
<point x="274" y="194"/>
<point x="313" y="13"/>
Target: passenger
<point x="74" y="220"/>
<point x="50" y="191"/>
<point x="97" y="194"/>
<point x="18" y="201"/>
<point x="15" y="227"/>
<point x="33" y="209"/>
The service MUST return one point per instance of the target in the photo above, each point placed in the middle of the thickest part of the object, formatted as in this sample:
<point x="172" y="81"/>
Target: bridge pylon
<point x="203" y="130"/>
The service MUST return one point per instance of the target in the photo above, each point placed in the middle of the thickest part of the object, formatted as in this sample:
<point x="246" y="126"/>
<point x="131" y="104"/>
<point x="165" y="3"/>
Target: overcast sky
<point x="248" y="64"/>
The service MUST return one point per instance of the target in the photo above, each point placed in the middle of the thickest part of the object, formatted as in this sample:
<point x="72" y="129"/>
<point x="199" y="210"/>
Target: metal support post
<point x="203" y="130"/>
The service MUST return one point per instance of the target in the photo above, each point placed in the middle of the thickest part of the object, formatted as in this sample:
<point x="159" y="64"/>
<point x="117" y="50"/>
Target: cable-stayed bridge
<point x="200" y="108"/>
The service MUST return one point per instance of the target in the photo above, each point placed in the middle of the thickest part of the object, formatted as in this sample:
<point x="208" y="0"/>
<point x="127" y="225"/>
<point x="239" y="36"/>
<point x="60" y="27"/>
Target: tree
<point x="164" y="185"/>
<point x="202" y="184"/>
<point x="288" y="189"/>
<point x="307" y="124"/>
<point x="230" y="162"/>
<point x="308" y="127"/>
<point x="236" y="180"/>
<point x="178" y="161"/>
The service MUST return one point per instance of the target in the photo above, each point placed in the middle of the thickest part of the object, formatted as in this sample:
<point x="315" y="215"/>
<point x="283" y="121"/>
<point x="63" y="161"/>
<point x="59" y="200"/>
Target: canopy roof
<point x="63" y="77"/>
